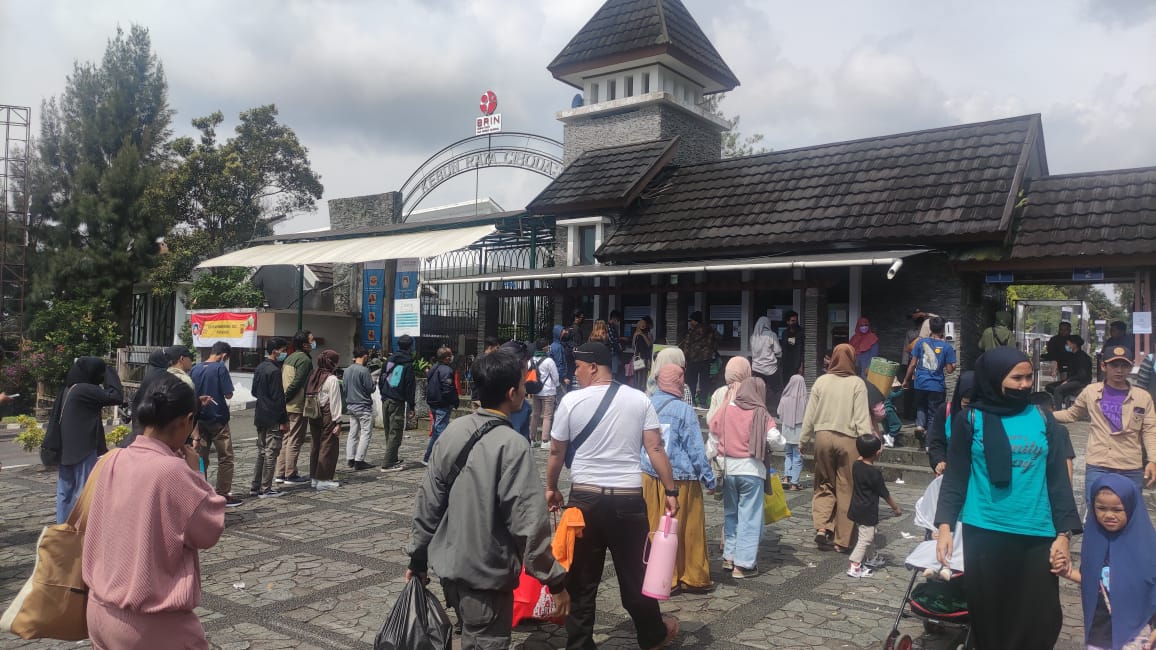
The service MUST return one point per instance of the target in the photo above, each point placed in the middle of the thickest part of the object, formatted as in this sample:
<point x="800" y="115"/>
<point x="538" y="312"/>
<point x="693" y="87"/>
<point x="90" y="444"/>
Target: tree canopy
<point x="101" y="147"/>
<point x="734" y="143"/>
<point x="222" y="195"/>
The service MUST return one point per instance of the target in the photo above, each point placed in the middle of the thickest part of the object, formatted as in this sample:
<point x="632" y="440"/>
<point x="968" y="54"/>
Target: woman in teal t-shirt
<point x="1007" y="481"/>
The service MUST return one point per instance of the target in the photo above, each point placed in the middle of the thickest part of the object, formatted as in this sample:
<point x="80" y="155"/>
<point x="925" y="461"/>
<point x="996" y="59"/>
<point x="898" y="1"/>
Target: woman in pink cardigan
<point x="151" y="513"/>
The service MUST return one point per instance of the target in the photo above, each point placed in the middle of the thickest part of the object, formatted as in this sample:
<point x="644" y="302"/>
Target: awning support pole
<point x="300" y="297"/>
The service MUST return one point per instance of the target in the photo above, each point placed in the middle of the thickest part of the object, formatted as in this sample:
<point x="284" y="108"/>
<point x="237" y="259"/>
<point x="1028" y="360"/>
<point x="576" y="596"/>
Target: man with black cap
<point x="700" y="347"/>
<point x="600" y="432"/>
<point x="1123" y="423"/>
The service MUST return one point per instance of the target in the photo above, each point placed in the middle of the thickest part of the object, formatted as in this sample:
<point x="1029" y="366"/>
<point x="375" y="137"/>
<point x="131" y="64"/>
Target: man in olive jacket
<point x="294" y="374"/>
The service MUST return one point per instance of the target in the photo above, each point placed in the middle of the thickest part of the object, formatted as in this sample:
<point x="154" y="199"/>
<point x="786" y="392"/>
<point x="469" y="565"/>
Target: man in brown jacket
<point x="1123" y="423"/>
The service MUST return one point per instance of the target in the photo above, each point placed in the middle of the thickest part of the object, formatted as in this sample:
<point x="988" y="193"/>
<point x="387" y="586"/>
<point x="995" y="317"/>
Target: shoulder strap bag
<point x="464" y="454"/>
<point x="577" y="441"/>
<point x="52" y="603"/>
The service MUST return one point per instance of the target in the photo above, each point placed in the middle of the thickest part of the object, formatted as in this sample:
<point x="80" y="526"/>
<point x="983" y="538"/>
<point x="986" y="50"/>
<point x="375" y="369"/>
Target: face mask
<point x="1069" y="348"/>
<point x="282" y="356"/>
<point x="864" y="329"/>
<point x="313" y="345"/>
<point x="1018" y="395"/>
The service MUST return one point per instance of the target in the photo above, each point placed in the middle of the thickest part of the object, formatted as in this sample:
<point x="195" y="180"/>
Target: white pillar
<point x="854" y="298"/>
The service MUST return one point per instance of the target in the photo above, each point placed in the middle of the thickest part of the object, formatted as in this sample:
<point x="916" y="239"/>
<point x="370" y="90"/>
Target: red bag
<point x="533" y="601"/>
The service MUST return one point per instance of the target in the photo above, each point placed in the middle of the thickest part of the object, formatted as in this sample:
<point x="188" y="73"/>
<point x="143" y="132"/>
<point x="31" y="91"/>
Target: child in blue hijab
<point x="1119" y="556"/>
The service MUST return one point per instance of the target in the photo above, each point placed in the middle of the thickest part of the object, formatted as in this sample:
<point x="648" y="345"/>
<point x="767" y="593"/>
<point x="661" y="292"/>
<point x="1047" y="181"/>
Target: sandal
<point x="823" y="539"/>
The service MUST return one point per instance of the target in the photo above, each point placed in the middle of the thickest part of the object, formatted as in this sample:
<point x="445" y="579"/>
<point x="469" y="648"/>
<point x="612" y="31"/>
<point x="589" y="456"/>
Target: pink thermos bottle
<point x="660" y="563"/>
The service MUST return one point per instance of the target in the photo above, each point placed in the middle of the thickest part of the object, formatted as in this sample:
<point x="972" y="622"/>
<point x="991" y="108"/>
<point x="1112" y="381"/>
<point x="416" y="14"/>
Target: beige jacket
<point x="1116" y="449"/>
<point x="837" y="404"/>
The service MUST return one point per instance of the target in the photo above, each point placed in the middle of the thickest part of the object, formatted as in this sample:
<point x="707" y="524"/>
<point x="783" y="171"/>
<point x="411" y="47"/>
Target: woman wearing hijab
<point x="1007" y="481"/>
<point x="940" y="431"/>
<point x="671" y="356"/>
<point x="75" y="430"/>
<point x="791" y="410"/>
<point x="837" y="413"/>
<point x="741" y="434"/>
<point x="737" y="369"/>
<point x="866" y="345"/>
<point x="1118" y="573"/>
<point x="765" y="354"/>
<point x="327" y="430"/>
<point x="682" y="438"/>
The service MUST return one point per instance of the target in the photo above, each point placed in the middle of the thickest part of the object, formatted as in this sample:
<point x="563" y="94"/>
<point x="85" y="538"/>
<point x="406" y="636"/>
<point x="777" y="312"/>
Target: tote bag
<point x="51" y="605"/>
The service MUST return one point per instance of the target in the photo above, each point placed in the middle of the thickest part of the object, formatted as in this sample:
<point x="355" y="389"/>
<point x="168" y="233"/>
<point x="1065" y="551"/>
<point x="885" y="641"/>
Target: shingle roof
<point x="609" y="178"/>
<point x="1098" y="213"/>
<point x="947" y="184"/>
<point x="624" y="28"/>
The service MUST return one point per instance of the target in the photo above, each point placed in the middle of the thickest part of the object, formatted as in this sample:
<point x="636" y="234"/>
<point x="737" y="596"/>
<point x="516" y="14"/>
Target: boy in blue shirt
<point x="932" y="359"/>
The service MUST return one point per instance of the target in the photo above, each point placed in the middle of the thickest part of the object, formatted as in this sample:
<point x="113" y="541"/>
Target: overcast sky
<point x="373" y="88"/>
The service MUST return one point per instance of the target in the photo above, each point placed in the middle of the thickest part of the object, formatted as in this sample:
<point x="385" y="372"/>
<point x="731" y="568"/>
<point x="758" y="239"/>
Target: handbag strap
<point x="597" y="417"/>
<point x="78" y="518"/>
<point x="464" y="454"/>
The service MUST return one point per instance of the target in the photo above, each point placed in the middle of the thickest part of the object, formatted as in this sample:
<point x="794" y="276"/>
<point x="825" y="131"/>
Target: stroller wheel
<point x="889" y="644"/>
<point x="904" y="643"/>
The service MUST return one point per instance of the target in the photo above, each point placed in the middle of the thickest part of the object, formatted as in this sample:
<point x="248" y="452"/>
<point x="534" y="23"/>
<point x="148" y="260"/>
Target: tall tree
<point x="101" y="146"/>
<point x="225" y="194"/>
<point x="734" y="143"/>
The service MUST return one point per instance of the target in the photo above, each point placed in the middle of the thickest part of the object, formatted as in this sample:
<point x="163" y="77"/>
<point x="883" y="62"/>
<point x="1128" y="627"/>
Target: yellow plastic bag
<point x="774" y="500"/>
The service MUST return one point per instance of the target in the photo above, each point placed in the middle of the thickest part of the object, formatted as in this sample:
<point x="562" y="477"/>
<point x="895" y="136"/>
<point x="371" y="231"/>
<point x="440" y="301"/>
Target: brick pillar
<point x="815" y="328"/>
<point x="670" y="316"/>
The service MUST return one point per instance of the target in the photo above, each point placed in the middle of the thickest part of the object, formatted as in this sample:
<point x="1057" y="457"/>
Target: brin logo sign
<point x="489" y="121"/>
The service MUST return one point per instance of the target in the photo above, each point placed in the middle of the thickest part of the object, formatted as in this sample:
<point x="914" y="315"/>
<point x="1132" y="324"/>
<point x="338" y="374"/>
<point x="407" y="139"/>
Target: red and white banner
<point x="237" y="328"/>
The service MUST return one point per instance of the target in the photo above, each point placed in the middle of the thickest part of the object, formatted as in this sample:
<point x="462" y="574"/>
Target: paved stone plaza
<point x="321" y="570"/>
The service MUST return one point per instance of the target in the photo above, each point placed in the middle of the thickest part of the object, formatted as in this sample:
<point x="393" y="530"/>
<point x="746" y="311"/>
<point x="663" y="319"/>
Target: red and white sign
<point x="489" y="103"/>
<point x="237" y="328"/>
<point x="489" y="122"/>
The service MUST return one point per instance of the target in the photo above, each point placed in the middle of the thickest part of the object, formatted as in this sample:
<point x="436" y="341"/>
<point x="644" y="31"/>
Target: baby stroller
<point x="939" y="600"/>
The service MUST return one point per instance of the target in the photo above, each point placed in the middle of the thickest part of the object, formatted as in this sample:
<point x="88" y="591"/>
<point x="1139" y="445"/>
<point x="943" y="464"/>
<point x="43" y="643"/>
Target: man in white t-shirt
<point x="606" y="476"/>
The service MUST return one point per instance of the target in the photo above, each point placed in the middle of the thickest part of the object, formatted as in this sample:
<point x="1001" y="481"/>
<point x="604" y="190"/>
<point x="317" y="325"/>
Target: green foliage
<point x="116" y="435"/>
<point x="225" y="194"/>
<point x="68" y="329"/>
<point x="100" y="149"/>
<point x="16" y="377"/>
<point x="223" y="289"/>
<point x="421" y="366"/>
<point x="186" y="334"/>
<point x="734" y="144"/>
<point x="31" y="436"/>
<point x="1100" y="306"/>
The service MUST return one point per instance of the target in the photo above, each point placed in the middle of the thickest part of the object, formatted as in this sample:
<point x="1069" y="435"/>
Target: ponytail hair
<point x="167" y="398"/>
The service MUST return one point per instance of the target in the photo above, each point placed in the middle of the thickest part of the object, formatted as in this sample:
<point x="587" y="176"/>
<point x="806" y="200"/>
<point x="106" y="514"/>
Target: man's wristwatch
<point x="1066" y="533"/>
<point x="671" y="493"/>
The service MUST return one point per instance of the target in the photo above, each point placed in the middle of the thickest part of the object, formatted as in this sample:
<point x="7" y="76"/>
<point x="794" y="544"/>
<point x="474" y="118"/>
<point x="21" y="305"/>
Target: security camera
<point x="895" y="266"/>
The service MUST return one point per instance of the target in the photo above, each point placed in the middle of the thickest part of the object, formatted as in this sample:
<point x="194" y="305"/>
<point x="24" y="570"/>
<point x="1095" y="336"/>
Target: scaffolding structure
<point x="15" y="177"/>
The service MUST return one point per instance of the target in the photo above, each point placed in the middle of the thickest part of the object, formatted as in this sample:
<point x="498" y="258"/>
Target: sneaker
<point x="859" y="571"/>
<point x="313" y="483"/>
<point x="875" y="562"/>
<point x="888" y="440"/>
<point x="279" y="479"/>
<point x="545" y="444"/>
<point x="393" y="467"/>
<point x="295" y="480"/>
<point x="271" y="493"/>
<point x="254" y="493"/>
<point x="361" y="465"/>
<point x="352" y="463"/>
<point x="671" y="624"/>
<point x="728" y="565"/>
<point x="327" y="485"/>
<point x="232" y="501"/>
<point x="425" y="463"/>
<point x="738" y="573"/>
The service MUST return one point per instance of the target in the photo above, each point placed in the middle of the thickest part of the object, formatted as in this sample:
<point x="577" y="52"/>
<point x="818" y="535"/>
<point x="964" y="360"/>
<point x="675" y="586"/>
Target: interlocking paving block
<point x="249" y="636"/>
<point x="280" y="579"/>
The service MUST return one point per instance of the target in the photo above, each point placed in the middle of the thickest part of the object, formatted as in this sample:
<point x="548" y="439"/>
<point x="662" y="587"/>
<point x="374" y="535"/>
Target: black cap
<point x="177" y="351"/>
<point x="593" y="352"/>
<point x="696" y="316"/>
<point x="518" y="348"/>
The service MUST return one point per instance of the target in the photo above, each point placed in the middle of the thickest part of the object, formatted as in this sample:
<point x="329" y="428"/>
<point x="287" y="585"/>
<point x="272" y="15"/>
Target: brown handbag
<point x="51" y="605"/>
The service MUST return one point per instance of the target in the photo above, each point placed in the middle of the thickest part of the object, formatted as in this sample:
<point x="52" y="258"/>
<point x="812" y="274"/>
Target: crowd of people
<point x="624" y="422"/>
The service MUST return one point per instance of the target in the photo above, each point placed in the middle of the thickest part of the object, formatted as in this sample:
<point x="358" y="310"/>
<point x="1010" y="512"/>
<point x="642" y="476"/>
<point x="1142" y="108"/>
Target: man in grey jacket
<point x="358" y="384"/>
<point x="478" y="545"/>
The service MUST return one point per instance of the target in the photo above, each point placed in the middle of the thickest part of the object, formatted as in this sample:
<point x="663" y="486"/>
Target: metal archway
<point x="526" y="151"/>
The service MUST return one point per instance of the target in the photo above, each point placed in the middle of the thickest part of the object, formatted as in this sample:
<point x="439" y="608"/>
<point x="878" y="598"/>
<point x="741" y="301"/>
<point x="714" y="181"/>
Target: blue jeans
<point x="743" y="519"/>
<point x="1093" y="472"/>
<point x="793" y="466"/>
<point x="70" y="480"/>
<point x="441" y="420"/>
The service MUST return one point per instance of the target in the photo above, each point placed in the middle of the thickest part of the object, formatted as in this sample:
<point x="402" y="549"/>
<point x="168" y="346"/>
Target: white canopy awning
<point x="429" y="243"/>
<point x="847" y="259"/>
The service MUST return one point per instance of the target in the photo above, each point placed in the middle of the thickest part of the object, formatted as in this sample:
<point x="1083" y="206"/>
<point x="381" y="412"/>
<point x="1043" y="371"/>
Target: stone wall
<point x="701" y="140"/>
<point x="363" y="211"/>
<point x="926" y="282"/>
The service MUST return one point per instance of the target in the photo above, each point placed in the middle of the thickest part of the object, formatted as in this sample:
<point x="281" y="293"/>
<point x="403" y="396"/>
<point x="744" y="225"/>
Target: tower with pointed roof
<point x="643" y="67"/>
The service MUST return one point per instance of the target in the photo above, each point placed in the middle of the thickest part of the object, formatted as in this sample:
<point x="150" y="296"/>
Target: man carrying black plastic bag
<point x="416" y="622"/>
<point x="478" y="545"/>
